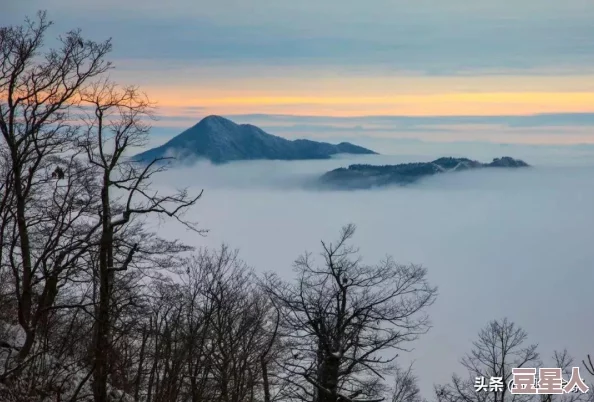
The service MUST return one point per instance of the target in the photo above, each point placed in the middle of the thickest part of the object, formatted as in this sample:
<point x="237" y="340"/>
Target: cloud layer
<point x="434" y="37"/>
<point x="497" y="243"/>
<point x="562" y="129"/>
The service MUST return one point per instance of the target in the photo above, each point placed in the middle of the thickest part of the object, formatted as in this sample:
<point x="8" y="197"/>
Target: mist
<point x="498" y="243"/>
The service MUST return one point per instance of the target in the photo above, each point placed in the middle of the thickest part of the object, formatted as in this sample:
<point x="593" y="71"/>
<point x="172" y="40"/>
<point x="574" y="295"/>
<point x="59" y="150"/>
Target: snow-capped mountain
<point x="220" y="140"/>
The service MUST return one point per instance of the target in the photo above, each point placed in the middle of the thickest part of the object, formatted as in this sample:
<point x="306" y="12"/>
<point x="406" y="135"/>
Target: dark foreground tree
<point x="500" y="347"/>
<point x="37" y="94"/>
<point x="341" y="320"/>
<point x="206" y="335"/>
<point x="406" y="388"/>
<point x="117" y="121"/>
<point x="566" y="363"/>
<point x="68" y="208"/>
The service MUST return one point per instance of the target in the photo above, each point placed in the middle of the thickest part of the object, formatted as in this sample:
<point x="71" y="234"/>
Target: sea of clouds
<point x="498" y="243"/>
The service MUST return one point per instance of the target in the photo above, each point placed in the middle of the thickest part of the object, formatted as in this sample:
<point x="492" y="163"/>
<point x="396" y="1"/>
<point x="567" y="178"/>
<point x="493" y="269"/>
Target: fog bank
<point x="497" y="243"/>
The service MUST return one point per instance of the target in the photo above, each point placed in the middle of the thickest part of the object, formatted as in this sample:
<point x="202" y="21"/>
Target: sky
<point x="332" y="59"/>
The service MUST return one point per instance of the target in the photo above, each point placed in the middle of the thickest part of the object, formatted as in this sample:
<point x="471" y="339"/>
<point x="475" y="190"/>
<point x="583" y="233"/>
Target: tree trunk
<point x="138" y="381"/>
<point x="265" y="382"/>
<point x="329" y="379"/>
<point x="101" y="338"/>
<point x="100" y="375"/>
<point x="26" y="293"/>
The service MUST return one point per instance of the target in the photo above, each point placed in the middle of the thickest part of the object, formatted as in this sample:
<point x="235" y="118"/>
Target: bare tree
<point x="37" y="95"/>
<point x="236" y="316"/>
<point x="590" y="369"/>
<point x="406" y="388"/>
<point x="207" y="335"/>
<point x="501" y="346"/>
<point x="116" y="122"/>
<point x="340" y="320"/>
<point x="589" y="365"/>
<point x="270" y="355"/>
<point x="74" y="258"/>
<point x="565" y="362"/>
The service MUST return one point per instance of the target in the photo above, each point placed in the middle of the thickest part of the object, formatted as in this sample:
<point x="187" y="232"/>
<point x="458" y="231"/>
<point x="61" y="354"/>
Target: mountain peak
<point x="214" y="118"/>
<point x="221" y="140"/>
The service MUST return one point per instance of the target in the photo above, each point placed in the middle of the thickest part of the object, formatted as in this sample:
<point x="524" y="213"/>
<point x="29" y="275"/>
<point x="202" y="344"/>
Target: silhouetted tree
<point x="406" y="388"/>
<point x="38" y="92"/>
<point x="117" y="122"/>
<point x="342" y="318"/>
<point x="500" y="346"/>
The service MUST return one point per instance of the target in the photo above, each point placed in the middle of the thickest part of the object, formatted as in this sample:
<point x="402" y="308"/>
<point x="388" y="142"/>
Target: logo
<point x="524" y="381"/>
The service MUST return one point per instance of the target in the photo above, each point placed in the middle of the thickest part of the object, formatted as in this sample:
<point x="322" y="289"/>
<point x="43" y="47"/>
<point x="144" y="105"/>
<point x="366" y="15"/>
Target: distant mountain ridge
<point x="220" y="140"/>
<point x="369" y="176"/>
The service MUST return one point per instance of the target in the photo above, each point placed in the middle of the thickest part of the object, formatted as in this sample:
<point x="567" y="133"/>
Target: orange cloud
<point x="444" y="104"/>
<point x="322" y="90"/>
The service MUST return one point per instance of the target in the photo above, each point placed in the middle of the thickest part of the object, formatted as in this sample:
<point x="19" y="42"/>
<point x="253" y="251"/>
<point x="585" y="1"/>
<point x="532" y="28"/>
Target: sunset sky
<point x="493" y="70"/>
